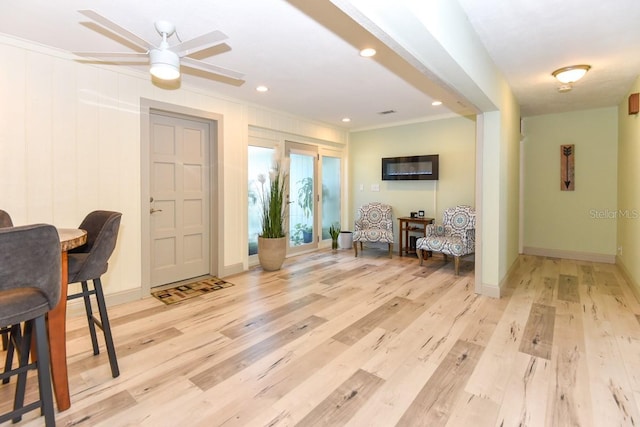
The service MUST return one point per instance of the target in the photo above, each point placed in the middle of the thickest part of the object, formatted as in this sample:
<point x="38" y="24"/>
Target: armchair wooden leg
<point x="456" y="262"/>
<point x="390" y="249"/>
<point x="420" y="252"/>
<point x="355" y="248"/>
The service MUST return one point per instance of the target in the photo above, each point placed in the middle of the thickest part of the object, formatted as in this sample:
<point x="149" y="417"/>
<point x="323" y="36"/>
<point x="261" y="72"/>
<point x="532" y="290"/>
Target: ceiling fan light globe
<point x="165" y="64"/>
<point x="165" y="72"/>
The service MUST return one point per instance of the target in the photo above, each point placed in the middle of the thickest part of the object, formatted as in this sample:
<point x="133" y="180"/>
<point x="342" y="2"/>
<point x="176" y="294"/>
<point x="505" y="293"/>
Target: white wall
<point x="70" y="143"/>
<point x="452" y="139"/>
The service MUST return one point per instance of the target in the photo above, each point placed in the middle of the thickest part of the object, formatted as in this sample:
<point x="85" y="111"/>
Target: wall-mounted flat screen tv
<point x="410" y="168"/>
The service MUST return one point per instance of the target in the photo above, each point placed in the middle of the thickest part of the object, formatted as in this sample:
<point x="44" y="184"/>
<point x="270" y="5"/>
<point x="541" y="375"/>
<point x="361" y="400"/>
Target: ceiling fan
<point x="165" y="60"/>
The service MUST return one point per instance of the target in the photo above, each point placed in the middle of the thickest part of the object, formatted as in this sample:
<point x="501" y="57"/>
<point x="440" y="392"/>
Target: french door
<point x="303" y="197"/>
<point x="314" y="193"/>
<point x="331" y="194"/>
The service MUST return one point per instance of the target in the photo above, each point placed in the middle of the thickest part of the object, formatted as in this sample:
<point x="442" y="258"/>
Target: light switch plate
<point x="375" y="187"/>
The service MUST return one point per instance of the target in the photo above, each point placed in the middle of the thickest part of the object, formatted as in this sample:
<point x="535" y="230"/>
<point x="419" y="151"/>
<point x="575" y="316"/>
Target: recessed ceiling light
<point x="368" y="52"/>
<point x="346" y="119"/>
<point x="262" y="88"/>
<point x="436" y="103"/>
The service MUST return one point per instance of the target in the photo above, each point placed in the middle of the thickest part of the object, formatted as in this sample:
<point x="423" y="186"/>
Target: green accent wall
<point x="581" y="221"/>
<point x="452" y="139"/>
<point x="628" y="232"/>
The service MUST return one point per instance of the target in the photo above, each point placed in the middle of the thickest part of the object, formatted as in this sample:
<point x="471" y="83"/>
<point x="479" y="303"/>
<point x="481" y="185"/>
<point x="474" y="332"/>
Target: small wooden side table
<point x="411" y="225"/>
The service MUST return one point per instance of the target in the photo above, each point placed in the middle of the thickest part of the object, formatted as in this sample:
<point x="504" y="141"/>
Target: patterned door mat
<point x="190" y="290"/>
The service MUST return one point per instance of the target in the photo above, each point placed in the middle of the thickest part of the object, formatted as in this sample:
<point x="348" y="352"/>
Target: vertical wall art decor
<point x="567" y="168"/>
<point x="634" y="103"/>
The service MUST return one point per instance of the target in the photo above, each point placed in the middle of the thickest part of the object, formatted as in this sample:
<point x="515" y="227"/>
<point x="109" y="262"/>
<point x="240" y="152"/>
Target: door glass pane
<point x="330" y="194"/>
<point x="260" y="162"/>
<point x="301" y="208"/>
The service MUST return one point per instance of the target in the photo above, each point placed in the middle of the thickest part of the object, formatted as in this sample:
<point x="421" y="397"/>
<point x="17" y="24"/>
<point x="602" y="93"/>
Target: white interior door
<point x="179" y="202"/>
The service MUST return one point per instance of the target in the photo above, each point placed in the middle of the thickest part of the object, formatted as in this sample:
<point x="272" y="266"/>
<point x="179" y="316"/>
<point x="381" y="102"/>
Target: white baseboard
<point x="579" y="256"/>
<point x="506" y="278"/>
<point x="490" y="290"/>
<point x="635" y="287"/>
<point x="75" y="307"/>
<point x="230" y="270"/>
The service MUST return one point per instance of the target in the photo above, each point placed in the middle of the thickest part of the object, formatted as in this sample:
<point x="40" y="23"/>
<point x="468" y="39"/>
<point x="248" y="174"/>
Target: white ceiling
<point x="529" y="39"/>
<point x="306" y="52"/>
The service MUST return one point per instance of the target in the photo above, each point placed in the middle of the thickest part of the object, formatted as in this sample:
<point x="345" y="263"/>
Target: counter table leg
<point x="58" y="343"/>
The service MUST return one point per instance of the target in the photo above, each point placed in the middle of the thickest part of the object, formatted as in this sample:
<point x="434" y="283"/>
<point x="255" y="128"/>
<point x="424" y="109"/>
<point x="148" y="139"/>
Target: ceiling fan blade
<point x="117" y="29"/>
<point x="114" y="55"/>
<point x="199" y="43"/>
<point x="203" y="66"/>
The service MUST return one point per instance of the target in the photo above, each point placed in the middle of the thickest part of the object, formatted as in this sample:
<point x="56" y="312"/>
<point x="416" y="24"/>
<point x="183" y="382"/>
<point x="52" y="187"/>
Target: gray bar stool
<point x="5" y="221"/>
<point x="30" y="280"/>
<point x="88" y="263"/>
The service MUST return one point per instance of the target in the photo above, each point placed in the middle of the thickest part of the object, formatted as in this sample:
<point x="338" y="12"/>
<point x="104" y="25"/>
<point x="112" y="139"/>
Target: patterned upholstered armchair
<point x="375" y="224"/>
<point x="456" y="236"/>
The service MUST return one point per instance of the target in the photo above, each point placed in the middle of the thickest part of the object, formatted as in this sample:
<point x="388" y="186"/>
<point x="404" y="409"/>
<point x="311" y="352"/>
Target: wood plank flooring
<point x="333" y="340"/>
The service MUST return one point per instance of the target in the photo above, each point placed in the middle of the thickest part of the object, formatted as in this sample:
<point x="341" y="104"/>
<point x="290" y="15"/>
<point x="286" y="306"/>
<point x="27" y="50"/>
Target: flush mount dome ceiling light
<point x="571" y="74"/>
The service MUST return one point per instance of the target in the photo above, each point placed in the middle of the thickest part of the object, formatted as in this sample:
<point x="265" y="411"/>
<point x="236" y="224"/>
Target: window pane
<point x="301" y="212"/>
<point x="330" y="194"/>
<point x="260" y="162"/>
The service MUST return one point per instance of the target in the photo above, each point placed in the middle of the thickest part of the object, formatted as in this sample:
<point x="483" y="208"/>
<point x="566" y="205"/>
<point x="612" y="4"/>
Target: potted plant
<point x="334" y="232"/>
<point x="272" y="242"/>
<point x="302" y="233"/>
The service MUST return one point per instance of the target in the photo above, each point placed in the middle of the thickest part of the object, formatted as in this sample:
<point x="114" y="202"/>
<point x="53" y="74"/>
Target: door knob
<point x="151" y="211"/>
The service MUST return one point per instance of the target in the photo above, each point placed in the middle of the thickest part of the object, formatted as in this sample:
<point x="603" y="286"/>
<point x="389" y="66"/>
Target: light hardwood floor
<point x="370" y="341"/>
